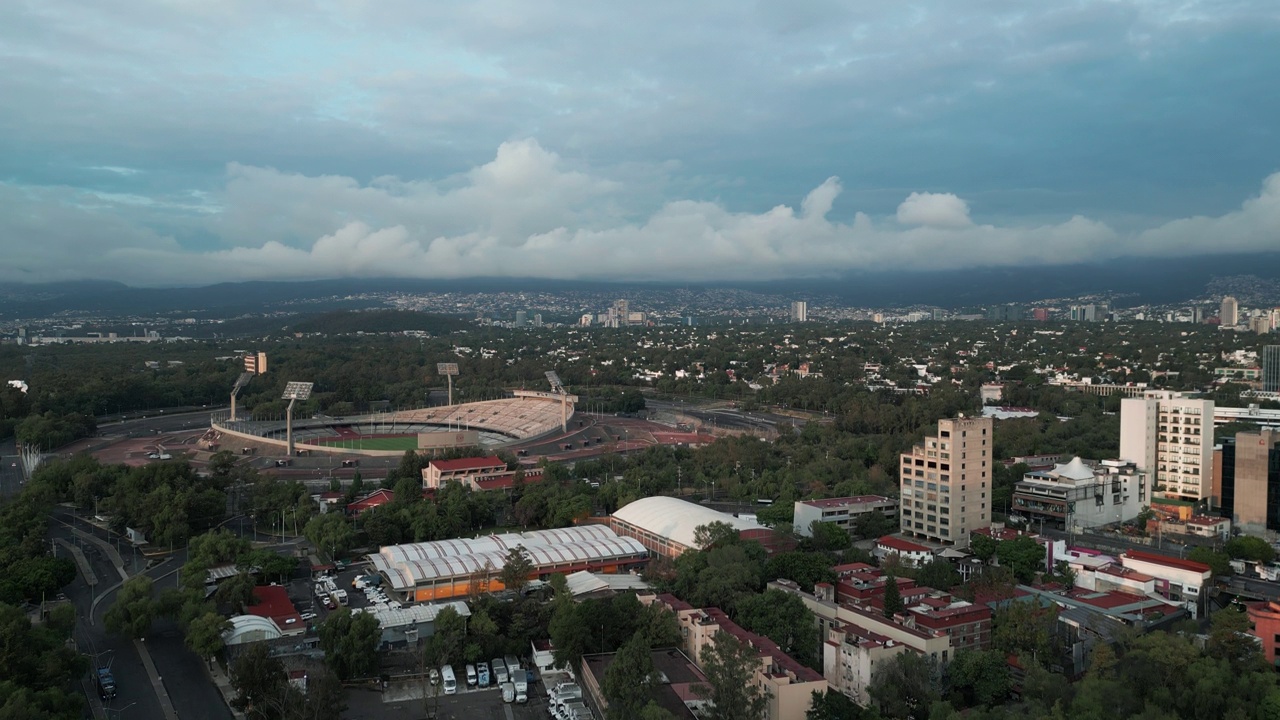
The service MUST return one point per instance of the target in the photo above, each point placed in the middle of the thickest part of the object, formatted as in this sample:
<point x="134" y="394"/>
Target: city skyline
<point x="167" y="144"/>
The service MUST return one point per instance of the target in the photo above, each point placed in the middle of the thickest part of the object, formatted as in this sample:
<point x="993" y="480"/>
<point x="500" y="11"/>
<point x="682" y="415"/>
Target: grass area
<point x="407" y="442"/>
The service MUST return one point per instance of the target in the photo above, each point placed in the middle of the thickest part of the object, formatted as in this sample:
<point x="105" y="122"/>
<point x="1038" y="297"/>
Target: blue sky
<point x="194" y="141"/>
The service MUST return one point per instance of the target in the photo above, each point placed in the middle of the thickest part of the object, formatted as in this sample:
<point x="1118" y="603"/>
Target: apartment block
<point x="945" y="482"/>
<point x="1170" y="437"/>
<point x="788" y="686"/>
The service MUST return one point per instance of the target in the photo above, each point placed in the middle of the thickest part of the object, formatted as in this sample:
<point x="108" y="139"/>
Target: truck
<point x="339" y="596"/>
<point x="106" y="683"/>
<point x="521" y="680"/>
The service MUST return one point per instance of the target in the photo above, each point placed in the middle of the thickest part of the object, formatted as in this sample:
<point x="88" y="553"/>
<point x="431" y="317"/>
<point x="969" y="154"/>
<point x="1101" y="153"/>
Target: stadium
<point x="491" y="424"/>
<point x="446" y="569"/>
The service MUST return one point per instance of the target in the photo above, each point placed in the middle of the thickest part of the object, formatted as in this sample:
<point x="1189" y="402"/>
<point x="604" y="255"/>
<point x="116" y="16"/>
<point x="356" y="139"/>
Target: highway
<point x="181" y="676"/>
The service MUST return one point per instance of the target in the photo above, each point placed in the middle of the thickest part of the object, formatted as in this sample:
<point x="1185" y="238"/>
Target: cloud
<point x="528" y="213"/>
<point x="940" y="210"/>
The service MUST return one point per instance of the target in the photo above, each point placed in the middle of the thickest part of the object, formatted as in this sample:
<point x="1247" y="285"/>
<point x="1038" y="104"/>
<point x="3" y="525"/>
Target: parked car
<point x="508" y="692"/>
<point x="482" y="674"/>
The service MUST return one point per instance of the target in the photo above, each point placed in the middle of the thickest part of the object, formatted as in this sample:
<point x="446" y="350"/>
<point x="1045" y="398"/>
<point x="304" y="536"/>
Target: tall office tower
<point x="946" y="480"/>
<point x="1170" y="437"/>
<point x="1250" y="481"/>
<point x="799" y="311"/>
<point x="522" y="318"/>
<point x="1230" y="312"/>
<point x="1271" y="368"/>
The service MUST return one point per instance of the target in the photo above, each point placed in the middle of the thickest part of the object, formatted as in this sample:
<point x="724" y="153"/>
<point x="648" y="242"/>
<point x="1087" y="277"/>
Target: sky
<point x="186" y="142"/>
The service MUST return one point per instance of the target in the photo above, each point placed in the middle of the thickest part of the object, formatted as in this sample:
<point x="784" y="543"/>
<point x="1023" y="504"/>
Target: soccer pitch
<point x="404" y="442"/>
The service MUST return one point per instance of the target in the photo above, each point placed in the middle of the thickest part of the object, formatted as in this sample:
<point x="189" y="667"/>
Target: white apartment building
<point x="1170" y="437"/>
<point x="945" y="482"/>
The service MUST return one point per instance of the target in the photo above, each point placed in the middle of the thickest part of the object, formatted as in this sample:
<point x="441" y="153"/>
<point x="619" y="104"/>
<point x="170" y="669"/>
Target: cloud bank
<point x="525" y="214"/>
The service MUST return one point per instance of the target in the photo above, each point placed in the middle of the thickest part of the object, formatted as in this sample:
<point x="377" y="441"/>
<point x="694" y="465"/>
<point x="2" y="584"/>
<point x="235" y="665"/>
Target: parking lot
<point x="405" y="701"/>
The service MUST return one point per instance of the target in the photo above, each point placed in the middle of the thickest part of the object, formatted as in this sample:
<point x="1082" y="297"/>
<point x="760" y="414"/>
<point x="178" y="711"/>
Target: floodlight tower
<point x="557" y="387"/>
<point x="448" y="370"/>
<point x="293" y="391"/>
<point x="243" y="380"/>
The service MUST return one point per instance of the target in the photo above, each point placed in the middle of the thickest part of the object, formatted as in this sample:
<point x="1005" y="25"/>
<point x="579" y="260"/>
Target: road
<point x="182" y="674"/>
<point x="727" y="418"/>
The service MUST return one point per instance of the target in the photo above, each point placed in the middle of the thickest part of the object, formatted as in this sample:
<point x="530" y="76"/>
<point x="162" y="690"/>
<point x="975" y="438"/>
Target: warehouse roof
<point x="676" y="519"/>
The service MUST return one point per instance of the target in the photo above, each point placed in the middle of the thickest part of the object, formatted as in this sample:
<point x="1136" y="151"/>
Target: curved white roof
<point x="1074" y="470"/>
<point x="409" y="565"/>
<point x="250" y="628"/>
<point x="675" y="519"/>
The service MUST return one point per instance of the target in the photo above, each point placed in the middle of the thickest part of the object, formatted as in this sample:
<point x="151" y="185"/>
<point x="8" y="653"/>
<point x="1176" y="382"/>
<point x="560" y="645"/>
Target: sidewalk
<point x="223" y="683"/>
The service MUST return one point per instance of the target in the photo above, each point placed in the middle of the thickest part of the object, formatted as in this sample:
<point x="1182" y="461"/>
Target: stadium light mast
<point x="241" y="381"/>
<point x="293" y="392"/>
<point x="448" y="370"/>
<point x="557" y="387"/>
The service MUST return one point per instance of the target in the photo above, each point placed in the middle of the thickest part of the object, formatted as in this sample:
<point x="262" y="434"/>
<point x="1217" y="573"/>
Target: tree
<point x="262" y="688"/>
<point x="629" y="679"/>
<point x="204" y="635"/>
<point x="938" y="574"/>
<point x="1248" y="547"/>
<point x="903" y="687"/>
<point x="981" y="677"/>
<point x="331" y="533"/>
<point x="517" y="569"/>
<point x="829" y="536"/>
<point x="350" y="643"/>
<point x="1220" y="562"/>
<point x="326" y="699"/>
<point x="785" y="619"/>
<point x="714" y="534"/>
<point x="237" y="591"/>
<point x="892" y="596"/>
<point x="729" y="665"/>
<point x="870" y="525"/>
<point x="133" y="610"/>
<point x="983" y="546"/>
<point x="1023" y="555"/>
<point x="445" y="645"/>
<point x="1025" y="627"/>
<point x="805" y="568"/>
<point x="832" y="705"/>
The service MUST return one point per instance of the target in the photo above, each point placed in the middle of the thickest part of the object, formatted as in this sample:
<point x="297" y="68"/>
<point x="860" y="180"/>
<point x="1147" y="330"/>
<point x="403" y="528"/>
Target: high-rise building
<point x="522" y="318"/>
<point x="799" y="311"/>
<point x="1271" y="368"/>
<point x="1229" y="314"/>
<point x="946" y="480"/>
<point x="1171" y="438"/>
<point x="1096" y="312"/>
<point x="1250" y="481"/>
<point x="1005" y="313"/>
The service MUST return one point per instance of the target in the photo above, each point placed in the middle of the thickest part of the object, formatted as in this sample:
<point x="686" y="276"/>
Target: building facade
<point x="843" y="511"/>
<point x="1271" y="368"/>
<point x="1079" y="495"/>
<point x="1229" y="313"/>
<point x="945" y="482"/>
<point x="1265" y="617"/>
<point x="1171" y="438"/>
<point x="799" y="311"/>
<point x="1249" y="481"/>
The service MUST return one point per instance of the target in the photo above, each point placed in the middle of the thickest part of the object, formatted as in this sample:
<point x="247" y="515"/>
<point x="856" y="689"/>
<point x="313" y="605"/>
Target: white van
<point x="450" y="682"/>
<point x="471" y="675"/>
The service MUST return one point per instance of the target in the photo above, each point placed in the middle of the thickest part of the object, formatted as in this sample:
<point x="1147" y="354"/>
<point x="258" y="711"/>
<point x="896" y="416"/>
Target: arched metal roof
<point x="675" y="519"/>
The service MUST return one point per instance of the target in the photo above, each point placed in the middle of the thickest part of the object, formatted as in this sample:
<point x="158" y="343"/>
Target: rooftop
<point x="843" y="501"/>
<point x="472" y="463"/>
<point x="902" y="545"/>
<point x="1173" y="562"/>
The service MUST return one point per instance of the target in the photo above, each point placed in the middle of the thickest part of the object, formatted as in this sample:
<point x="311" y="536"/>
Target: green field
<point x="407" y="442"/>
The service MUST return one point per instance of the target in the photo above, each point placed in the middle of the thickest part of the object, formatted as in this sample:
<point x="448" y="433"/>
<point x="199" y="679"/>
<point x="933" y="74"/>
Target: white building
<point x="842" y="511"/>
<point x="1079" y="495"/>
<point x="1176" y="579"/>
<point x="1171" y="438"/>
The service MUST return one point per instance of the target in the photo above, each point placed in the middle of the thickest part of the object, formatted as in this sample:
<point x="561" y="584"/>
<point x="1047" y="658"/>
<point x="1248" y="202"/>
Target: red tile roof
<point x="1167" y="561"/>
<point x="372" y="500"/>
<point x="472" y="463"/>
<point x="274" y="604"/>
<point x="901" y="545"/>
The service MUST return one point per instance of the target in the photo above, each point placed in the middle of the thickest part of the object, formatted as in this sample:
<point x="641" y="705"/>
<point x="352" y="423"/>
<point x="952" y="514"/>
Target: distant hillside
<point x="1139" y="280"/>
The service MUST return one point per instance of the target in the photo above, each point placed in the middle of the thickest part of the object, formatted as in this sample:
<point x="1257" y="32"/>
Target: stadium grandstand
<point x="490" y="423"/>
<point x="666" y="525"/>
<point x="445" y="569"/>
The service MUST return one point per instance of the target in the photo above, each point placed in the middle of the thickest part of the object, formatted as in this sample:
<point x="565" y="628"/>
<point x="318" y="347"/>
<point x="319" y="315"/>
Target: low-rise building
<point x="477" y="473"/>
<point x="682" y="690"/>
<point x="909" y="553"/>
<point x="273" y="603"/>
<point x="788" y="686"/>
<point x="411" y="624"/>
<point x="1265" y="617"/>
<point x="842" y="511"/>
<point x="1185" y="581"/>
<point x="850" y="657"/>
